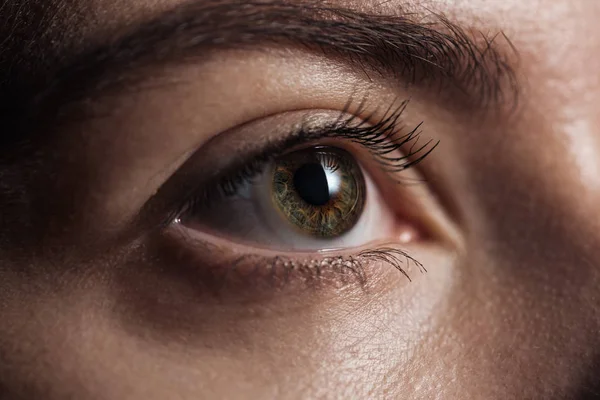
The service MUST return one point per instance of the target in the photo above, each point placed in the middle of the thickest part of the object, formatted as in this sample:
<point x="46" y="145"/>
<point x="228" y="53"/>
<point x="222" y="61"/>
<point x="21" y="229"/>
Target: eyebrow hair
<point x="438" y="52"/>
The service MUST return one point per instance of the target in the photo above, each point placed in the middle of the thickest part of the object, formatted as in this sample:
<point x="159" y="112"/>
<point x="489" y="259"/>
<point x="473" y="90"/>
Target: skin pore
<point x="115" y="111"/>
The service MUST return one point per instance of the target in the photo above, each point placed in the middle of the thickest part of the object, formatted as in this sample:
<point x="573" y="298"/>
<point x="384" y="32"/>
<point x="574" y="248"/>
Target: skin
<point x="509" y="307"/>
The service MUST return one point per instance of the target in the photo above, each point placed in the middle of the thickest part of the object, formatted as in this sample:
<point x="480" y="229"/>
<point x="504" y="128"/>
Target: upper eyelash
<point x="385" y="137"/>
<point x="381" y="138"/>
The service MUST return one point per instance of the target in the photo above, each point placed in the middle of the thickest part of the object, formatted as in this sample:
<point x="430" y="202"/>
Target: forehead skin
<point x="524" y="300"/>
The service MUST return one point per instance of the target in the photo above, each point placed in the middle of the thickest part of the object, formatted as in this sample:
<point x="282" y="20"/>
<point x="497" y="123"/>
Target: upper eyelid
<point x="381" y="138"/>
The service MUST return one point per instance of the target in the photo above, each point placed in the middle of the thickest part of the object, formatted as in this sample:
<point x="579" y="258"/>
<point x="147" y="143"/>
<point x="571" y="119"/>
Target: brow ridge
<point x="439" y="53"/>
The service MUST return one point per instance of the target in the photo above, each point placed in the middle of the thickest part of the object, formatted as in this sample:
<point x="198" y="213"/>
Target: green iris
<point x="321" y="190"/>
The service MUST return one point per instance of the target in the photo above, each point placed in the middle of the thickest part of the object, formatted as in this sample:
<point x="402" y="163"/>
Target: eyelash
<point x="340" y="268"/>
<point x="312" y="268"/>
<point x="381" y="139"/>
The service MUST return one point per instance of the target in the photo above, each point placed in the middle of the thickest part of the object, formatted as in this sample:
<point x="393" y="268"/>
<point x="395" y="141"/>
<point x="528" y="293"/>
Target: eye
<point x="316" y="198"/>
<point x="312" y="197"/>
<point x="320" y="191"/>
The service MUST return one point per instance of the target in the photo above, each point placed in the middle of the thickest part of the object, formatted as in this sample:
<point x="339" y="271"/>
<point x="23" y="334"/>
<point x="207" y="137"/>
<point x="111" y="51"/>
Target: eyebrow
<point x="438" y="52"/>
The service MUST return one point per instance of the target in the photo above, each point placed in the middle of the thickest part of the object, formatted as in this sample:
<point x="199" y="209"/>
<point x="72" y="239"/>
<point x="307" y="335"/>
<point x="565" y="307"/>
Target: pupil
<point x="310" y="181"/>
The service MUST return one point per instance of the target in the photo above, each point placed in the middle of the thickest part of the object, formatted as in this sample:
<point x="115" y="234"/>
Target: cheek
<point x="325" y="340"/>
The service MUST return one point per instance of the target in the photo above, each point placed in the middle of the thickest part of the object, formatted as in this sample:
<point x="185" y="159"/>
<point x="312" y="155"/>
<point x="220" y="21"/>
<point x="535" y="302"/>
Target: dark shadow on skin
<point x="590" y="390"/>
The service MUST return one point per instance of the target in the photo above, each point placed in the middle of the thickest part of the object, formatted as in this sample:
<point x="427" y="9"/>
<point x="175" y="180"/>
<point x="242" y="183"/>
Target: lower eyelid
<point x="240" y="275"/>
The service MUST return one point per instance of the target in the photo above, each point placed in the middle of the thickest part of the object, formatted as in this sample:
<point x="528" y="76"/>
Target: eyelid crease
<point x="380" y="139"/>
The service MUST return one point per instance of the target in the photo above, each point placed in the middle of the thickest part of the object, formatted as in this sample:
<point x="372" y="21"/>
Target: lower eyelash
<point x="250" y="277"/>
<point x="277" y="273"/>
<point x="280" y="270"/>
<point x="395" y="258"/>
